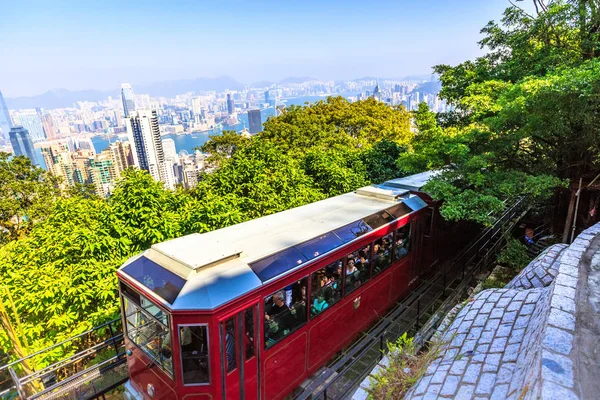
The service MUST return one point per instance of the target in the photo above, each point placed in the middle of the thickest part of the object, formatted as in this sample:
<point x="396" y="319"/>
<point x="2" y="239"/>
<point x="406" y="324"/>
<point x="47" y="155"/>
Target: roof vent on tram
<point x="382" y="192"/>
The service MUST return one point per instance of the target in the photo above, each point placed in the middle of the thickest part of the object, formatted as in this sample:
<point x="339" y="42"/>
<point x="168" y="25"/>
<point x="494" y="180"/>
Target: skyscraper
<point x="127" y="97"/>
<point x="30" y="120"/>
<point x="5" y="121"/>
<point x="230" y="104"/>
<point x="48" y="126"/>
<point x="255" y="121"/>
<point x="21" y="143"/>
<point x="147" y="148"/>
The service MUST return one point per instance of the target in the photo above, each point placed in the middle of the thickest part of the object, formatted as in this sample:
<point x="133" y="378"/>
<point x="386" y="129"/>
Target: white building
<point x="147" y="148"/>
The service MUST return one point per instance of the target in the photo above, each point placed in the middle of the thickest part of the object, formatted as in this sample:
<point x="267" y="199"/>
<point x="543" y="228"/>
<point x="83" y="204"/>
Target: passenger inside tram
<point x="281" y="320"/>
<point x="402" y="243"/>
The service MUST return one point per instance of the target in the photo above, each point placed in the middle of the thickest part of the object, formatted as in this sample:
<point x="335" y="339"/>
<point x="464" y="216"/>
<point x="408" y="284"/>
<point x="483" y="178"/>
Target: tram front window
<point x="148" y="327"/>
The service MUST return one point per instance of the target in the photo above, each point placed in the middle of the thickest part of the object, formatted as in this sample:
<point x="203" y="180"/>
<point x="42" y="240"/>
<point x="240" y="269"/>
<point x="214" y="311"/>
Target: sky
<point x="86" y="44"/>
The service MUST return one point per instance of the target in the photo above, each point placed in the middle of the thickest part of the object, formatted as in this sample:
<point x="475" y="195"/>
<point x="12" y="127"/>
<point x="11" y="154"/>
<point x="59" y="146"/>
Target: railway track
<point x="420" y="313"/>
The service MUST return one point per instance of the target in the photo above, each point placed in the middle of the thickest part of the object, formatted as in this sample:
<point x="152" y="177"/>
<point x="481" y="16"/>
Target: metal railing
<point x="432" y="299"/>
<point x="86" y="374"/>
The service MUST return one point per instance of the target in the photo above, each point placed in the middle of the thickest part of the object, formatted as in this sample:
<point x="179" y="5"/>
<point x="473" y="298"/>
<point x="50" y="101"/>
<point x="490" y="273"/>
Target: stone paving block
<point x="451" y="354"/>
<point x="486" y="337"/>
<point x="480" y="320"/>
<point x="486" y="308"/>
<point x="521" y="322"/>
<point x="516" y="336"/>
<point x="569" y="270"/>
<point x="464" y="327"/>
<point x="476" y="304"/>
<point x="527" y="309"/>
<point x="465" y="392"/>
<point x="498" y="345"/>
<point x="492" y="361"/>
<point x="511" y="353"/>
<point x="486" y="384"/>
<point x="438" y="377"/>
<point x="561" y="319"/>
<point x="492" y="325"/>
<point x="564" y="291"/>
<point x="459" y="366"/>
<point x="509" y="317"/>
<point x="482" y="348"/>
<point x="472" y="373"/>
<point x="514" y="306"/>
<point x="468" y="346"/>
<point x="536" y="282"/>
<point x="547" y="279"/>
<point x="497" y="313"/>
<point x="558" y="340"/>
<point x="532" y="297"/>
<point x="434" y="389"/>
<point x="422" y="386"/>
<point x="500" y="392"/>
<point x="552" y="391"/>
<point x="557" y="368"/>
<point x="563" y="303"/>
<point x="521" y="295"/>
<point x="566" y="280"/>
<point x="504" y="330"/>
<point x="450" y="385"/>
<point x="495" y="296"/>
<point x="505" y="373"/>
<point x="503" y="302"/>
<point x="474" y="333"/>
<point x="458" y="340"/>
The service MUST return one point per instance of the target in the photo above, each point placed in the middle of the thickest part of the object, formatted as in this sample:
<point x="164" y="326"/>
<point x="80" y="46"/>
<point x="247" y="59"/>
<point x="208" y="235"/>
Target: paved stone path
<point x="536" y="338"/>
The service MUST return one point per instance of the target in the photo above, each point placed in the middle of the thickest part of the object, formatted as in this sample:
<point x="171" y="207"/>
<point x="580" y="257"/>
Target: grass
<point x="407" y="363"/>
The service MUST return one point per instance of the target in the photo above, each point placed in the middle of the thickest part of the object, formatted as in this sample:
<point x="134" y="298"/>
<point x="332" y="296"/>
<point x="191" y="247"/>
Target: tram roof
<point x="204" y="271"/>
<point x="413" y="182"/>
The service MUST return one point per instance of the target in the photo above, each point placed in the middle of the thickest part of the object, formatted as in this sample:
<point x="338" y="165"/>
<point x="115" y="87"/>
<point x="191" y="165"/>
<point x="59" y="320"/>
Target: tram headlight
<point x="150" y="390"/>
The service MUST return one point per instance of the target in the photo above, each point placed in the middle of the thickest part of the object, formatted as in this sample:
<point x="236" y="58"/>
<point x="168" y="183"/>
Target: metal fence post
<point x="112" y="335"/>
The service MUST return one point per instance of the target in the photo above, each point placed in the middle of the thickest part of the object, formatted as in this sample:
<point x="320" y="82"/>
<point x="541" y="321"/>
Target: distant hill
<point x="62" y="98"/>
<point x="429" y="88"/>
<point x="261" y="84"/>
<point x="58" y="98"/>
<point x="294" y="79"/>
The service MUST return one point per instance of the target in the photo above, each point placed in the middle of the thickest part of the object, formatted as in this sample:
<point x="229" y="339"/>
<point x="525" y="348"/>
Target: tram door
<point x="239" y="347"/>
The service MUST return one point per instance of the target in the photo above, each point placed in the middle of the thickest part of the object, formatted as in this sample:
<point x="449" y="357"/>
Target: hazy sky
<point x="88" y="44"/>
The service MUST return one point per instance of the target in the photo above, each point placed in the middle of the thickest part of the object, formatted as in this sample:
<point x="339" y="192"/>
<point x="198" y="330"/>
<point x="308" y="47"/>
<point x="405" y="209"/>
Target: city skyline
<point x="84" y="48"/>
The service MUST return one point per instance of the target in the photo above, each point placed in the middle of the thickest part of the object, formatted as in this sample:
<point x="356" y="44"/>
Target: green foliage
<point x="514" y="255"/>
<point x="335" y="172"/>
<point x="26" y="194"/>
<point x="223" y="146"/>
<point x="336" y="123"/>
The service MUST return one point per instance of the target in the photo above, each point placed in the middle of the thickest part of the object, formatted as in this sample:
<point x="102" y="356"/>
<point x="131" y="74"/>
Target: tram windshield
<point x="148" y="327"/>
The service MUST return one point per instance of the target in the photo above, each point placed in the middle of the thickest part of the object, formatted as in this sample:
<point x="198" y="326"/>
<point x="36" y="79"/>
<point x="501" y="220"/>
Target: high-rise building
<point x="267" y="98"/>
<point x="255" y="121"/>
<point x="230" y="104"/>
<point x="121" y="155"/>
<point x="147" y="148"/>
<point x="48" y="126"/>
<point x="5" y="121"/>
<point x="128" y="100"/>
<point x="59" y="162"/>
<point x="21" y="143"/>
<point x="31" y="121"/>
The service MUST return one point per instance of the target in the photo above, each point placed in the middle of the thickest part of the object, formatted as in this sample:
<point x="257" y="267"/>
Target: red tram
<point x="252" y="310"/>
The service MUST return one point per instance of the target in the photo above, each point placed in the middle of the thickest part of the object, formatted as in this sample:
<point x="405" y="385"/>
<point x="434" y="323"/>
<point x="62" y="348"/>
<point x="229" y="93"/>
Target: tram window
<point x="382" y="253"/>
<point x="148" y="327"/>
<point x="230" y="347"/>
<point x="351" y="231"/>
<point x="249" y="332"/>
<point x="326" y="287"/>
<point x="358" y="268"/>
<point x="164" y="283"/>
<point x="193" y="341"/>
<point x="399" y="210"/>
<point x="379" y="219"/>
<point x="282" y="319"/>
<point x="270" y="267"/>
<point x="319" y="245"/>
<point x="402" y="245"/>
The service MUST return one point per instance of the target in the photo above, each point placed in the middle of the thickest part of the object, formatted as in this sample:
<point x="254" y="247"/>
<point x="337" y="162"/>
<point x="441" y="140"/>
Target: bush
<point x="514" y="255"/>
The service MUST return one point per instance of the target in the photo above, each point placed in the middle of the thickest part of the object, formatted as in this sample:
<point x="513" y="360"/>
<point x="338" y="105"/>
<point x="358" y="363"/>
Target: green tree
<point x="26" y="194"/>
<point x="335" y="171"/>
